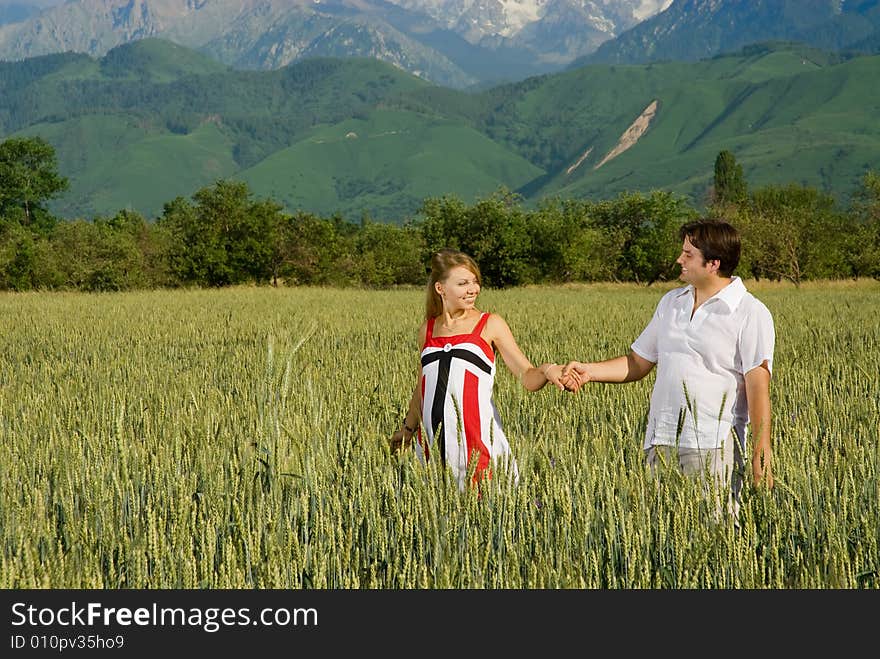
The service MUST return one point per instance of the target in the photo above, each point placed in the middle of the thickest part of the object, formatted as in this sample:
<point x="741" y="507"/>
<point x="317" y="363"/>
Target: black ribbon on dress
<point x="445" y="358"/>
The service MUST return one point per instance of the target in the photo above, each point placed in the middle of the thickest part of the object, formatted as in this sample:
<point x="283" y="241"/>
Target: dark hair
<point x="441" y="263"/>
<point x="716" y="240"/>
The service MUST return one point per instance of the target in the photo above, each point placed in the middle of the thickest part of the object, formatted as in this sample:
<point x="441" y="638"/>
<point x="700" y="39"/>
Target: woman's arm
<point x="412" y="418"/>
<point x="532" y="377"/>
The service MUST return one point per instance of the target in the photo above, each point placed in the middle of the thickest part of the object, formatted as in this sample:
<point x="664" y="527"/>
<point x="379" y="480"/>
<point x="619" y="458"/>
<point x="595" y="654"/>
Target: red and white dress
<point x="458" y="413"/>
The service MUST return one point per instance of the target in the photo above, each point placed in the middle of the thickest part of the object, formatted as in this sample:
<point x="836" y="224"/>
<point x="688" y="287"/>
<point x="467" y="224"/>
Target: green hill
<point x="788" y="113"/>
<point x="164" y="130"/>
<point x="384" y="165"/>
<point x="153" y="121"/>
<point x="114" y="162"/>
<point x="156" y="60"/>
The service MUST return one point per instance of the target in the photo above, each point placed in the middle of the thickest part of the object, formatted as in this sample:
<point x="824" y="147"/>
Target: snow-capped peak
<point x="520" y="13"/>
<point x="647" y="8"/>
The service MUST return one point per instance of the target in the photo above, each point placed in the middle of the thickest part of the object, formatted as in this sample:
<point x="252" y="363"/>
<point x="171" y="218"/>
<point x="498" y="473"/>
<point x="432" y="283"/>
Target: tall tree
<point x="644" y="229"/>
<point x="730" y="185"/>
<point x="493" y="231"/>
<point x="863" y="237"/>
<point x="223" y="238"/>
<point x="28" y="178"/>
<point x="793" y="232"/>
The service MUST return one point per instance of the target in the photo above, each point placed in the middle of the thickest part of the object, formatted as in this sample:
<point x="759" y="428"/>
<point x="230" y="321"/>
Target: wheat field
<point x="237" y="438"/>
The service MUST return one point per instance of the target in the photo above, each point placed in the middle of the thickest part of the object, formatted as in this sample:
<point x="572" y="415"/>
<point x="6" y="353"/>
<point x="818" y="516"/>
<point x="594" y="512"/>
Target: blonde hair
<point x="441" y="263"/>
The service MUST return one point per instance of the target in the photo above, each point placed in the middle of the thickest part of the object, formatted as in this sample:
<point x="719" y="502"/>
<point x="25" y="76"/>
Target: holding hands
<point x="553" y="373"/>
<point x="569" y="377"/>
<point x="574" y="375"/>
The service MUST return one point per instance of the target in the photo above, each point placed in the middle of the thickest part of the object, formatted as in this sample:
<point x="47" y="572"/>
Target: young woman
<point x="452" y="399"/>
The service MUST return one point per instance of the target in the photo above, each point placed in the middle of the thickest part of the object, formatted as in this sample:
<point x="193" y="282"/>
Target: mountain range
<point x="694" y="29"/>
<point x="17" y="11"/>
<point x="457" y="43"/>
<point x="151" y="120"/>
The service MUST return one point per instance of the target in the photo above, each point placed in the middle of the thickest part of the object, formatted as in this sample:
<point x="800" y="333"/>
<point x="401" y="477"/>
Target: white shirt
<point x="699" y="393"/>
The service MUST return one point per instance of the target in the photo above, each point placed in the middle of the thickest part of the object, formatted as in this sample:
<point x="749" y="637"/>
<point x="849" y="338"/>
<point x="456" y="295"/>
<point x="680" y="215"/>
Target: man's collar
<point x="732" y="294"/>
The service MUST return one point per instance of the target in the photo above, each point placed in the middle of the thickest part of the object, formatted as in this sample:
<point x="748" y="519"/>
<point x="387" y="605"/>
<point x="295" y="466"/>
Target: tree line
<point x="223" y="236"/>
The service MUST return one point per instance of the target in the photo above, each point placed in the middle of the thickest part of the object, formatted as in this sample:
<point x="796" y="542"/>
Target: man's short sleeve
<point x="757" y="340"/>
<point x="646" y="345"/>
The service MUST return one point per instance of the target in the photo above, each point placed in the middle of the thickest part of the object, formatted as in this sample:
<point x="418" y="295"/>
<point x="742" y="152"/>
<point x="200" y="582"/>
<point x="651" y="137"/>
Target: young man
<point x="712" y="342"/>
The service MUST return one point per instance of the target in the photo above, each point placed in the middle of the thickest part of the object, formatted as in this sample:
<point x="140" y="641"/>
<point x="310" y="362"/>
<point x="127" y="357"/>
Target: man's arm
<point x="758" y="396"/>
<point x="626" y="368"/>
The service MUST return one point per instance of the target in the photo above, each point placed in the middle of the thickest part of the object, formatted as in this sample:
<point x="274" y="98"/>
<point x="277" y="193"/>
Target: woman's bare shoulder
<point x="496" y="326"/>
